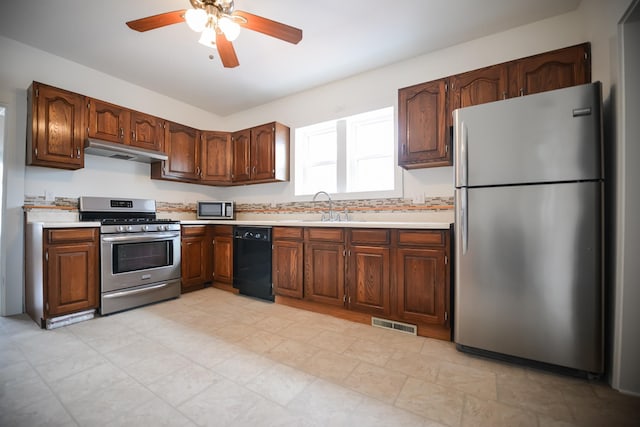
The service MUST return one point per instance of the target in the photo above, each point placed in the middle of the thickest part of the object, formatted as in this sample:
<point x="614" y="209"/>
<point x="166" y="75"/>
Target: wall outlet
<point x="418" y="199"/>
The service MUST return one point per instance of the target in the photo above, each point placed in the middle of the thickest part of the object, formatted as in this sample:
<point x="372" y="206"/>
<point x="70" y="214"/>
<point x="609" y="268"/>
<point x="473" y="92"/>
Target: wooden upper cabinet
<point x="108" y="122"/>
<point x="552" y="70"/>
<point x="56" y="131"/>
<point x="261" y="153"/>
<point x="422" y="131"/>
<point x="216" y="157"/>
<point x="241" y="142"/>
<point x="477" y="87"/>
<point x="425" y="110"/>
<point x="113" y="123"/>
<point x="182" y="145"/>
<point x="147" y="131"/>
<point x="263" y="149"/>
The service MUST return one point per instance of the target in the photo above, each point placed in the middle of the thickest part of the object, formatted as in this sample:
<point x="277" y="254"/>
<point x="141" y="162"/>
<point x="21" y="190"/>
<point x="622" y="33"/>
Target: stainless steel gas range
<point x="139" y="254"/>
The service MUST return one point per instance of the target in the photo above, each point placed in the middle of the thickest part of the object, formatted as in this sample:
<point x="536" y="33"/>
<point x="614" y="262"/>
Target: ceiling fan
<point x="219" y="24"/>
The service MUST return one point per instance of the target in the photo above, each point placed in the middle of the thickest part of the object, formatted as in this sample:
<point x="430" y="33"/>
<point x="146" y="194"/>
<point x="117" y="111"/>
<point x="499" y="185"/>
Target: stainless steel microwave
<point x="214" y="209"/>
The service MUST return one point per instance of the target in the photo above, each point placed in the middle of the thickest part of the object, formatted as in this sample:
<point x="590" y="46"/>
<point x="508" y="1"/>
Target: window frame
<point x="341" y="161"/>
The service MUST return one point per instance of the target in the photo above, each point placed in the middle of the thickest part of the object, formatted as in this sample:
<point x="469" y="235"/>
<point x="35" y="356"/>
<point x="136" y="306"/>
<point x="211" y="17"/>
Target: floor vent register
<point x="393" y="325"/>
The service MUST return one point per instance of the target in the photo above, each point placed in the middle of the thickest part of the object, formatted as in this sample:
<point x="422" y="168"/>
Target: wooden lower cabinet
<point x="420" y="275"/>
<point x="223" y="256"/>
<point x="396" y="274"/>
<point x="194" y="257"/>
<point x="72" y="273"/>
<point x="63" y="272"/>
<point x="324" y="272"/>
<point x="369" y="271"/>
<point x="288" y="261"/>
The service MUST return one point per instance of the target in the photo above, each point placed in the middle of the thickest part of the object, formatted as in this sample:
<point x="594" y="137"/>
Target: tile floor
<point x="211" y="358"/>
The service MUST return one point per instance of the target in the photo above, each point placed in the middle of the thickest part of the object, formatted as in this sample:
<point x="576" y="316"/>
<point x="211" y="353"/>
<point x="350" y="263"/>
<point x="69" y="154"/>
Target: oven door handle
<point x="135" y="291"/>
<point x="147" y="237"/>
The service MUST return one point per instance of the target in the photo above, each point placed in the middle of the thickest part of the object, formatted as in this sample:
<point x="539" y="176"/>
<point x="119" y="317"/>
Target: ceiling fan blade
<point x="226" y="51"/>
<point x="271" y="28"/>
<point x="157" y="21"/>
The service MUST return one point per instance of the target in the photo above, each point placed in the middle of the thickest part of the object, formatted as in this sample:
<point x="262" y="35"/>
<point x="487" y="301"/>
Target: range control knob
<point x="120" y="228"/>
<point x="129" y="228"/>
<point x="145" y="227"/>
<point x="162" y="228"/>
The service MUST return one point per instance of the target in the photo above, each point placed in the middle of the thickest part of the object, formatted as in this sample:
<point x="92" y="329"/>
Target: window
<point x="352" y="155"/>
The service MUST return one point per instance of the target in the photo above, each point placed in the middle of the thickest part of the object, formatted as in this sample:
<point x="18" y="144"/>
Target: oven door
<point x="134" y="259"/>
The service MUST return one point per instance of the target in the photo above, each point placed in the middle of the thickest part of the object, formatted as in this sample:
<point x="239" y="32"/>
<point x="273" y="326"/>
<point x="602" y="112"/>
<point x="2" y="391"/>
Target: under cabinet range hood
<point x="123" y="152"/>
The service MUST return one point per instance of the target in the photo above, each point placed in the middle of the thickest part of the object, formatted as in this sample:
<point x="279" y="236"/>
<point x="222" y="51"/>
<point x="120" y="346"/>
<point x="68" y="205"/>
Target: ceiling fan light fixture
<point x="229" y="27"/>
<point x="208" y="37"/>
<point x="196" y="19"/>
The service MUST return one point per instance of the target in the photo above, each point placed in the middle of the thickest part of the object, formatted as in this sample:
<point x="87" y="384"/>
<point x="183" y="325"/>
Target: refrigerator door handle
<point x="461" y="152"/>
<point x="462" y="218"/>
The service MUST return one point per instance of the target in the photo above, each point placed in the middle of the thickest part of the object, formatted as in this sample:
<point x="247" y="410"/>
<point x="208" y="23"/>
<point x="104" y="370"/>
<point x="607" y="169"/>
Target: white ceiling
<point x="340" y="38"/>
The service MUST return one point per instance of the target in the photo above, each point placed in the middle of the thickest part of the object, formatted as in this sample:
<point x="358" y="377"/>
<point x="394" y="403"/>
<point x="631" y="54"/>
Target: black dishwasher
<point x="252" y="262"/>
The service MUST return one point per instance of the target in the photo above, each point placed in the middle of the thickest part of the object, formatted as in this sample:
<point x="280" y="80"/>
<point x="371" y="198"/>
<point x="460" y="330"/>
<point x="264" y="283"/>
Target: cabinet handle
<point x="121" y="133"/>
<point x="133" y="135"/>
<point x="254" y="170"/>
<point x="247" y="170"/>
<point x="521" y="91"/>
<point x="78" y="153"/>
<point x="504" y="95"/>
<point x="35" y="152"/>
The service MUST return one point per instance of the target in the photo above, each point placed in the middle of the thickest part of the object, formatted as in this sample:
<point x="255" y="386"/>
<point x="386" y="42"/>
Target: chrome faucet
<point x="330" y="218"/>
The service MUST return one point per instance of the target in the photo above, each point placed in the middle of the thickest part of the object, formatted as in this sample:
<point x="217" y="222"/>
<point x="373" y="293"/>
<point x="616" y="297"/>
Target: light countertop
<point x="314" y="223"/>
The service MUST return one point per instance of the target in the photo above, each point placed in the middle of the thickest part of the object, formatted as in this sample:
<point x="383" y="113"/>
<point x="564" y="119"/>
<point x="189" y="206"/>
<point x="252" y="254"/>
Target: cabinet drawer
<point x="376" y="236"/>
<point x="224" y="230"/>
<point x="325" y="234"/>
<point x="194" y="230"/>
<point x="421" y="238"/>
<point x="65" y="235"/>
<point x="287" y="233"/>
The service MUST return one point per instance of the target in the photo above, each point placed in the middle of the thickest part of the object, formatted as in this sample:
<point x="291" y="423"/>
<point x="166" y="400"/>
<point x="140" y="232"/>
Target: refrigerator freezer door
<point x="530" y="282"/>
<point x="547" y="137"/>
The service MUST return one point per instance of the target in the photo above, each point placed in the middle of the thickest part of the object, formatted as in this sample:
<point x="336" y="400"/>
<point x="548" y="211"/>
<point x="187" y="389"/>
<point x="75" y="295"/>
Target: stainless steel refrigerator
<point x="529" y="228"/>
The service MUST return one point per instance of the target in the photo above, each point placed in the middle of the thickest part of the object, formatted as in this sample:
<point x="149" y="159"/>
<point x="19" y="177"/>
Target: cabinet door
<point x="216" y="157"/>
<point x="422" y="126"/>
<point x="263" y="152"/>
<point x="182" y="145"/>
<point x="72" y="278"/>
<point x="287" y="268"/>
<point x="147" y="131"/>
<point x="108" y="122"/>
<point x="477" y="87"/>
<point x="553" y="70"/>
<point x="324" y="273"/>
<point x="194" y="254"/>
<point x="241" y="142"/>
<point x="56" y="133"/>
<point x="223" y="259"/>
<point x="368" y="279"/>
<point x="421" y="285"/>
